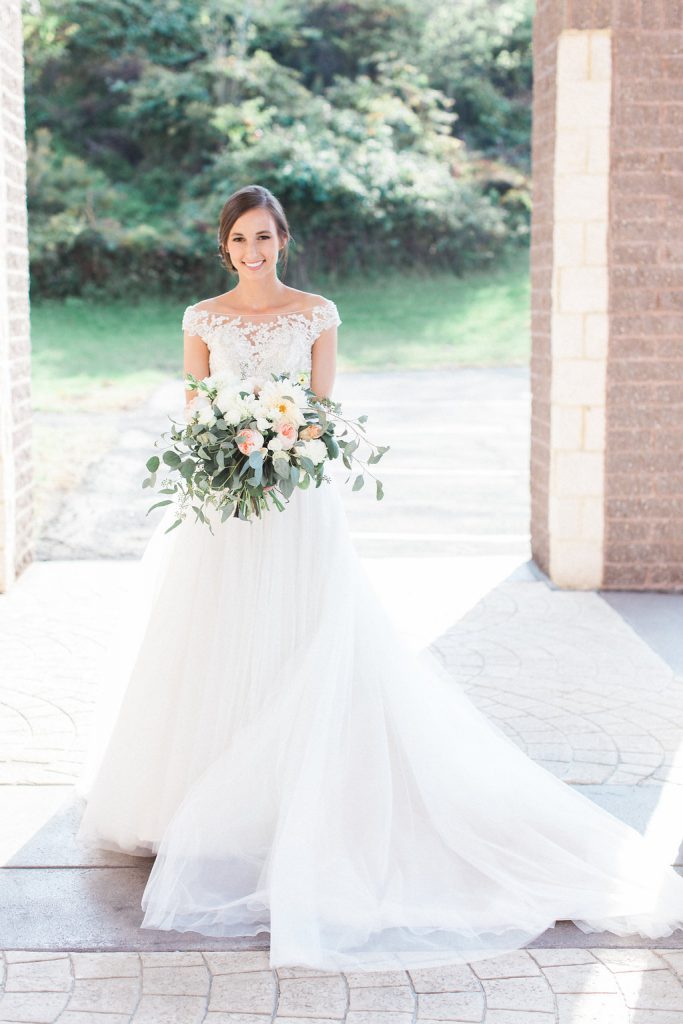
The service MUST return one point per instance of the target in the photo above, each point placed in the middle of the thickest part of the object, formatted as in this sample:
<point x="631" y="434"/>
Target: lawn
<point x="91" y="356"/>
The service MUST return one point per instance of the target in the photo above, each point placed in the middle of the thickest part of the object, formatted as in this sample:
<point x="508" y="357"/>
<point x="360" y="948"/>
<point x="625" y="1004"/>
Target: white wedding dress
<point x="299" y="771"/>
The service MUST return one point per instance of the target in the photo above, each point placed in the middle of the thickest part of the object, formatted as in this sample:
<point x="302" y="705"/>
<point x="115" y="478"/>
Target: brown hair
<point x="251" y="197"/>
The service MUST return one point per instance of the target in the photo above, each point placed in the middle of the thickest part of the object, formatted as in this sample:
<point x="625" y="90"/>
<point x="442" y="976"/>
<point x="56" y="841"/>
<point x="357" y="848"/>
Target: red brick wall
<point x="644" y="461"/>
<point x="13" y="183"/>
<point x="644" y="430"/>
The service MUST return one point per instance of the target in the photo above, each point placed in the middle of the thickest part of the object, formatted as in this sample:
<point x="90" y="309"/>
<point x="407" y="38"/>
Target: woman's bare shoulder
<point x="208" y="305"/>
<point x="307" y="299"/>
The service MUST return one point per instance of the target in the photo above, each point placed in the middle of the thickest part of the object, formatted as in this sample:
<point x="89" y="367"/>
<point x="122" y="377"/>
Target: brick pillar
<point x="15" y="387"/>
<point x="607" y="294"/>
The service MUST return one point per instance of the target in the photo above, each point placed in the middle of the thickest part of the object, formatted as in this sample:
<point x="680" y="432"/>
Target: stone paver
<point x="559" y="986"/>
<point x="571" y="683"/>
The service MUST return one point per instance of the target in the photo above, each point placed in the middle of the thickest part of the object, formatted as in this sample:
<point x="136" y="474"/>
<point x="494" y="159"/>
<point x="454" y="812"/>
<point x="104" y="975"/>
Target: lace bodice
<point x="258" y="344"/>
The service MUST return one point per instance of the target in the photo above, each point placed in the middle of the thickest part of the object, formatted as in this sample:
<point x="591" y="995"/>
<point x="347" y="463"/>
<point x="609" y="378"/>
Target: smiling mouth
<point x="253" y="265"/>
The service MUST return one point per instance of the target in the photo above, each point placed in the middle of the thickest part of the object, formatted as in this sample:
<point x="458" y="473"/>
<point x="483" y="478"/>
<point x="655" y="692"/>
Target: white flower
<point x="221" y="380"/>
<point x="199" y="411"/>
<point x="275" y="444"/>
<point x="233" y="412"/>
<point x="281" y="455"/>
<point x="263" y="424"/>
<point x="233" y="406"/>
<point x="314" y="450"/>
<point x="206" y="417"/>
<point x="282" y="401"/>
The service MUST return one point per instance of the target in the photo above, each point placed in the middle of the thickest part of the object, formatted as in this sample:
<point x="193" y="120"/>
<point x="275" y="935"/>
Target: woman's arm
<point x="196" y="360"/>
<point x="324" y="362"/>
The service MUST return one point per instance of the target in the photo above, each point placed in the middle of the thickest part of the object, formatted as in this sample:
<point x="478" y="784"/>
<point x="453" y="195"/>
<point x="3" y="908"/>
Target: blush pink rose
<point x="311" y="432"/>
<point x="287" y="434"/>
<point x="249" y="440"/>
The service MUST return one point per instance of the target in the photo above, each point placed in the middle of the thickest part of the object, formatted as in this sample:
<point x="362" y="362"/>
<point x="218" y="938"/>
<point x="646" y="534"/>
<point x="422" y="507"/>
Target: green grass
<point x="436" y="321"/>
<point x="89" y="356"/>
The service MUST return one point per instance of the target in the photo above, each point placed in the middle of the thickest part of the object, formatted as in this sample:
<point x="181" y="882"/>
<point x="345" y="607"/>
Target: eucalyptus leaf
<point x="158" y="505"/>
<point x="358" y="482"/>
<point x="287" y="487"/>
<point x="331" y="445"/>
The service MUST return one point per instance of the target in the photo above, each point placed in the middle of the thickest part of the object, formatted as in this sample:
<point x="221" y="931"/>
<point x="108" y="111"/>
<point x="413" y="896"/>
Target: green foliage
<point x="482" y="58"/>
<point x="395" y="133"/>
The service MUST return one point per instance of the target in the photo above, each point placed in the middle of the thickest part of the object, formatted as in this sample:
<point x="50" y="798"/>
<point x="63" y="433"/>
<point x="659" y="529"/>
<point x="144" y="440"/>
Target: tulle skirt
<point x="299" y="771"/>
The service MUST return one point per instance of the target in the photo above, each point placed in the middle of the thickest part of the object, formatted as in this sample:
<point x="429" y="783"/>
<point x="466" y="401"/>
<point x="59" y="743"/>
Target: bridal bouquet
<point x="245" y="446"/>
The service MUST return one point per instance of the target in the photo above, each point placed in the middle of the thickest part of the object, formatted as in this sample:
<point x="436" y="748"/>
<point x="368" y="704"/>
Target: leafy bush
<point x="143" y="119"/>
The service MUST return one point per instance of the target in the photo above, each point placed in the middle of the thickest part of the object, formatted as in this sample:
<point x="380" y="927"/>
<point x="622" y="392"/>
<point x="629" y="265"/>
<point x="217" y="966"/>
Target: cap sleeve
<point x="193" y="321"/>
<point x="324" y="316"/>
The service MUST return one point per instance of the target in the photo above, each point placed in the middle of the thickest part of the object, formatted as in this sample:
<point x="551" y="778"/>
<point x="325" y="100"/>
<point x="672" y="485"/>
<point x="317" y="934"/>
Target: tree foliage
<point x="395" y="134"/>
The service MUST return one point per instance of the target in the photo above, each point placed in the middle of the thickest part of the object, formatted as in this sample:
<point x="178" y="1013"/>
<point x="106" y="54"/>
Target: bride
<point x="296" y="769"/>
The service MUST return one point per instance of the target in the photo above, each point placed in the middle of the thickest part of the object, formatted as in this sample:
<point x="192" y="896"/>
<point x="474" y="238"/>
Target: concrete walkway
<point x="588" y="684"/>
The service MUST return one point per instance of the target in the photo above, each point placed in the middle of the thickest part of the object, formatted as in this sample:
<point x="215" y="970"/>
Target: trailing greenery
<point x="395" y="132"/>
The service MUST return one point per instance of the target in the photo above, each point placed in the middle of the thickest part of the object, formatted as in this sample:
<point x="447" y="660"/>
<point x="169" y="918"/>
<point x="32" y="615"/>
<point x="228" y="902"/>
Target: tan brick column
<point x="15" y="389"/>
<point x="607" y="294"/>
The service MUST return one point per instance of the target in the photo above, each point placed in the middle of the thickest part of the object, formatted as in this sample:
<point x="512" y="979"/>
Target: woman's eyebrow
<point x="263" y="231"/>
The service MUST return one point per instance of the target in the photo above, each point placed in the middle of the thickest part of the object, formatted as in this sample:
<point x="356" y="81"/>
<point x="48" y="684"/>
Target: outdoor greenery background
<point x="395" y="132"/>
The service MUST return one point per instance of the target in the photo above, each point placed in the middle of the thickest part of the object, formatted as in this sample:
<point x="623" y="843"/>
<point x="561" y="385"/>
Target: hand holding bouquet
<point x="246" y="445"/>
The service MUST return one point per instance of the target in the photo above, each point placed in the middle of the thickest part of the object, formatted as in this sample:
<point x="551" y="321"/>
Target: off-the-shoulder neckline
<point x="289" y="312"/>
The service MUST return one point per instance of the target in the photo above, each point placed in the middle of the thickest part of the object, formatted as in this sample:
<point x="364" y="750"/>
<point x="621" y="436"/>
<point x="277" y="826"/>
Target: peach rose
<point x="287" y="434"/>
<point x="248" y="441"/>
<point x="310" y="432"/>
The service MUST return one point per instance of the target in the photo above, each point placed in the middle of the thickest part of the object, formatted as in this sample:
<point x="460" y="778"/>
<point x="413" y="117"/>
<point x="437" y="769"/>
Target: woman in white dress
<point x="294" y="766"/>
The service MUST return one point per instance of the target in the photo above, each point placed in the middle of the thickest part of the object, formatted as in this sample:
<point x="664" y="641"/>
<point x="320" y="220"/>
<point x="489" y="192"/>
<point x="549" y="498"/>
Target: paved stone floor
<point x="588" y="684"/>
<point x="537" y="986"/>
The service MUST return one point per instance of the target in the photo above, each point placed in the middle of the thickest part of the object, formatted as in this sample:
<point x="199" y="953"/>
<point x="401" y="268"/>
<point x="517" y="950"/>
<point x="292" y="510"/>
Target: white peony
<point x="275" y="444"/>
<point x="235" y="408"/>
<point x="199" y="410"/>
<point x="314" y="450"/>
<point x="232" y="413"/>
<point x="222" y="380"/>
<point x="206" y="416"/>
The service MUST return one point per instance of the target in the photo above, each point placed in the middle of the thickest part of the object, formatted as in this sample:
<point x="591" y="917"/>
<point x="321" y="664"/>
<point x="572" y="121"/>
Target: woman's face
<point x="253" y="244"/>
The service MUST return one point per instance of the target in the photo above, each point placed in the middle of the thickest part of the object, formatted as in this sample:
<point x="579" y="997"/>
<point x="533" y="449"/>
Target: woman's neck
<point x="258" y="295"/>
